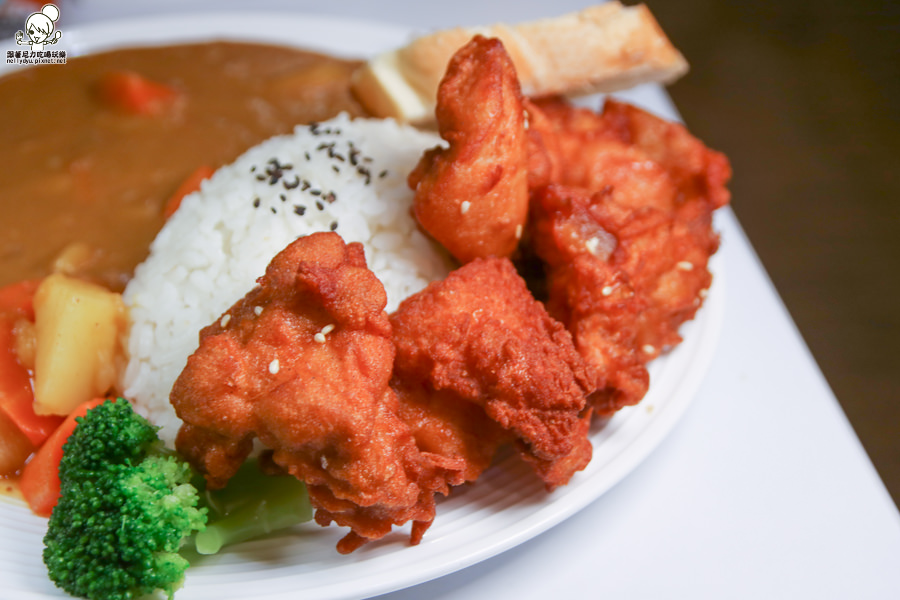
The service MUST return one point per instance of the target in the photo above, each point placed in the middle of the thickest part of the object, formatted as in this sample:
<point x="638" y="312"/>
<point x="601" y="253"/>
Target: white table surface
<point x="761" y="491"/>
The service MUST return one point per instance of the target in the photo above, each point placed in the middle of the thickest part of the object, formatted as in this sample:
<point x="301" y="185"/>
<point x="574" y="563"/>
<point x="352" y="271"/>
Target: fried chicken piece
<point x="472" y="196"/>
<point x="647" y="161"/>
<point x="592" y="295"/>
<point x="576" y="147"/>
<point x="699" y="173"/>
<point x="479" y="337"/>
<point x="666" y="262"/>
<point x="622" y="208"/>
<point x="456" y="437"/>
<point x="303" y="363"/>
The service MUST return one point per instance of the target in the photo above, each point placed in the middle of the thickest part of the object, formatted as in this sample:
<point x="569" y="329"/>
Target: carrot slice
<point x="39" y="482"/>
<point x="17" y="299"/>
<point x="14" y="447"/>
<point x="135" y="94"/>
<point x="16" y="394"/>
<point x="188" y="186"/>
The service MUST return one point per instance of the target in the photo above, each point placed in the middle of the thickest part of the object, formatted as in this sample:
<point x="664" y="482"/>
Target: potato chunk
<point x="78" y="325"/>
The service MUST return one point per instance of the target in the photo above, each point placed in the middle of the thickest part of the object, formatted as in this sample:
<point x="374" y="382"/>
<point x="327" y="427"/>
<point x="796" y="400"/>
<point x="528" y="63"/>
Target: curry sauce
<point x="85" y="183"/>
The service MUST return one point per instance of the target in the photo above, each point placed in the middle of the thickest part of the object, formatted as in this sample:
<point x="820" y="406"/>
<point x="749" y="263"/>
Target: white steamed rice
<point x="346" y="175"/>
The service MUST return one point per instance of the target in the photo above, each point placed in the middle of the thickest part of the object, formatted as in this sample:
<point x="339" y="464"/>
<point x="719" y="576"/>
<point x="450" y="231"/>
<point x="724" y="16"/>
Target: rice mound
<point x="343" y="175"/>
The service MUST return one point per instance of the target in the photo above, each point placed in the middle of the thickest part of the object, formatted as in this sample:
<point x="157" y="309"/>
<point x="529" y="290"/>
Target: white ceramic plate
<point x="506" y="507"/>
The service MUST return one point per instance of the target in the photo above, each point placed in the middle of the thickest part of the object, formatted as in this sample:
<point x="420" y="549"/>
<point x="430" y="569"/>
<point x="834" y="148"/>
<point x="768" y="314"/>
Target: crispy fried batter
<point x="645" y="160"/>
<point x="456" y="437"/>
<point x="479" y="337"/>
<point x="700" y="174"/>
<point x="302" y="363"/>
<point x="578" y="148"/>
<point x="622" y="215"/>
<point x="590" y="294"/>
<point x="473" y="196"/>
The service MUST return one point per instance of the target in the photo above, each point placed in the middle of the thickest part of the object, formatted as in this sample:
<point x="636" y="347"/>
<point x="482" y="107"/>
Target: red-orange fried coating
<point x="457" y="439"/>
<point x="590" y="294"/>
<point x="303" y="363"/>
<point x="646" y="161"/>
<point x="479" y="337"/>
<point x="622" y="208"/>
<point x="700" y="174"/>
<point x="472" y="196"/>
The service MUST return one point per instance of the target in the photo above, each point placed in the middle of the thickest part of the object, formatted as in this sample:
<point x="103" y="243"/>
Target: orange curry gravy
<point x="81" y="179"/>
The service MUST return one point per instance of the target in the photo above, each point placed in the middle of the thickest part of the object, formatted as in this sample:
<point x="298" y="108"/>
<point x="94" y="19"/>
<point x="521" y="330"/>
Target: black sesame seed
<point x="319" y="205"/>
<point x="306" y="154"/>
<point x="306" y="185"/>
<point x="256" y="203"/>
<point x="299" y="209"/>
<point x="274" y="212"/>
<point x="335" y="168"/>
<point x="333" y="225"/>
<point x="275" y="171"/>
<point x="283" y="197"/>
<point x="315" y="192"/>
<point x="383" y="174"/>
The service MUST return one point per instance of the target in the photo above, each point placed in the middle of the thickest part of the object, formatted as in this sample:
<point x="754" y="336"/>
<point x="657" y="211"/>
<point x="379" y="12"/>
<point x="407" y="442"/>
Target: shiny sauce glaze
<point x="83" y="183"/>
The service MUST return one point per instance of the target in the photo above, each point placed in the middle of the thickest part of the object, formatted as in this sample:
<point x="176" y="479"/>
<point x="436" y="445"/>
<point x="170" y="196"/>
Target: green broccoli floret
<point x="125" y="509"/>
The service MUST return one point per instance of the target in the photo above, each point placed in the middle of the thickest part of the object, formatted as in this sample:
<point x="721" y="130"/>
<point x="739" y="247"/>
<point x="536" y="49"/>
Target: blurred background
<point x="804" y="97"/>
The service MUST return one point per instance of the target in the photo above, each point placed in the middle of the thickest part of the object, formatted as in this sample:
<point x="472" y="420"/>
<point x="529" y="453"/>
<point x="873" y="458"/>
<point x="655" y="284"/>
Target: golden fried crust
<point x="621" y="213"/>
<point x="700" y="173"/>
<point x="480" y="337"/>
<point x="302" y="363"/>
<point x="556" y="472"/>
<point x="455" y="437"/>
<point x="472" y="196"/>
<point x="591" y="295"/>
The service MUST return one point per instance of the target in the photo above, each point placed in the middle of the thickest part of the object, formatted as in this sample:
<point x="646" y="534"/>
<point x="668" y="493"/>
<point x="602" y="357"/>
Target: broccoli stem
<point x="250" y="506"/>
